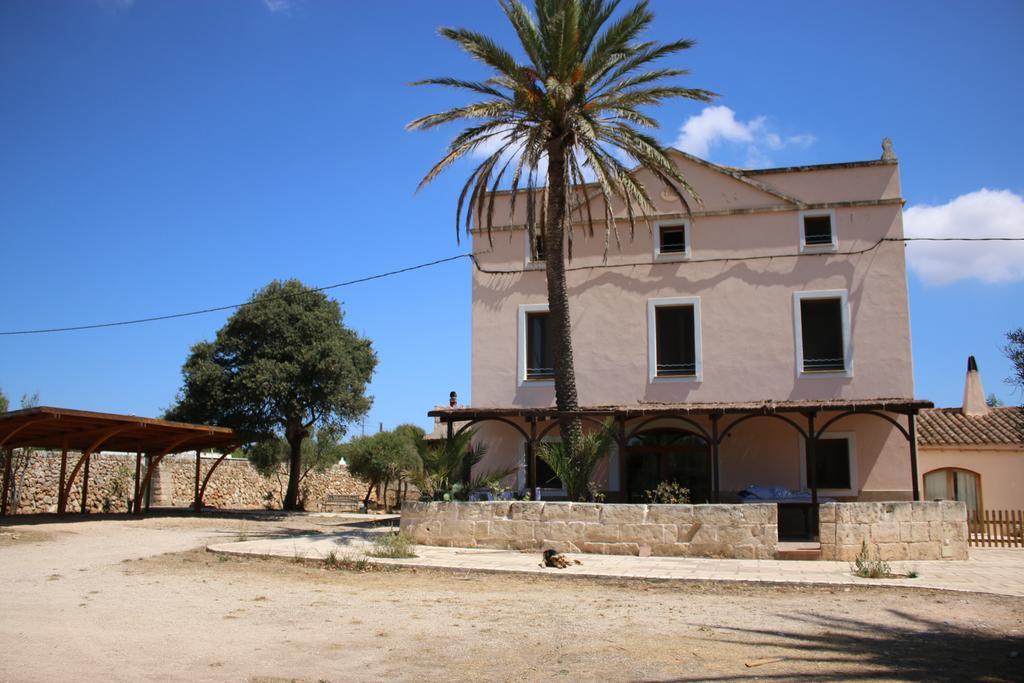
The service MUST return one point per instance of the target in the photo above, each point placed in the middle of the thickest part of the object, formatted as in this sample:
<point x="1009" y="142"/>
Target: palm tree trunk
<point x="566" y="400"/>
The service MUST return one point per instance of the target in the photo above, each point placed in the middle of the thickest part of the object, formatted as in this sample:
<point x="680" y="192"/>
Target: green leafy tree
<point x="283" y="365"/>
<point x="576" y="468"/>
<point x="573" y="109"/>
<point x="4" y="404"/>
<point x="380" y="459"/>
<point x="993" y="401"/>
<point x="319" y="453"/>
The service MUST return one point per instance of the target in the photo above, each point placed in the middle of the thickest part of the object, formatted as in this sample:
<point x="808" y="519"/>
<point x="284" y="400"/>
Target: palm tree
<point x="574" y="105"/>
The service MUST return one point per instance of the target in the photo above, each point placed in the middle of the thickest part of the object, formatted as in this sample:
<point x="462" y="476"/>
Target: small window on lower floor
<point x="832" y="463"/>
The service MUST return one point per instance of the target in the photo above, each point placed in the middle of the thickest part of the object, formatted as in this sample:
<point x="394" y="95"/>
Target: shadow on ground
<point x="905" y="648"/>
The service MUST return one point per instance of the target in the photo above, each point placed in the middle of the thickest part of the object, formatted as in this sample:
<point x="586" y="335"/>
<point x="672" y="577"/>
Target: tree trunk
<point x="387" y="480"/>
<point x="566" y="400"/>
<point x="291" y="496"/>
<point x="366" y="501"/>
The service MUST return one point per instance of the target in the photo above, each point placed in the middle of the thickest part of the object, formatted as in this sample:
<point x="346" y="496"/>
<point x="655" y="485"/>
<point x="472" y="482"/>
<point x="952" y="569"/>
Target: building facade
<point x="761" y="338"/>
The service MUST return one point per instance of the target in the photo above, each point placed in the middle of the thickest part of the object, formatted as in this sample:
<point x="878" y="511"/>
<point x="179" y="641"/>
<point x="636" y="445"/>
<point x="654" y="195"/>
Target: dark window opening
<point x="537" y="249"/>
<point x="821" y="331"/>
<point x="546" y="477"/>
<point x="672" y="240"/>
<point x="832" y="463"/>
<point x="540" y="363"/>
<point x="817" y="230"/>
<point x="676" y="346"/>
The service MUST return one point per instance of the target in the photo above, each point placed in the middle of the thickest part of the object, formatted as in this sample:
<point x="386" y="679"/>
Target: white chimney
<point x="974" y="394"/>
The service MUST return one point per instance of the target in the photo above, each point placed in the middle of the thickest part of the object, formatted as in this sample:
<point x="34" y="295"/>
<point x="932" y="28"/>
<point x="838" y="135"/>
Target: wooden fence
<point x="997" y="528"/>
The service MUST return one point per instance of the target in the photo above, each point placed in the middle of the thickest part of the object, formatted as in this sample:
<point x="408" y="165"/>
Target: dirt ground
<point x="129" y="600"/>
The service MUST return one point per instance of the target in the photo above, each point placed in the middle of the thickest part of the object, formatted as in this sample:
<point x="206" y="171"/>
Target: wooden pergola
<point x="801" y="415"/>
<point x="87" y="433"/>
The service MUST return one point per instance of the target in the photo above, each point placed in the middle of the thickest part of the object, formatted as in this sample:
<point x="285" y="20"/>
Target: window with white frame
<point x="672" y="240"/>
<point x="534" y="251"/>
<point x="536" y="359"/>
<point x="818" y="230"/>
<point x="822" y="332"/>
<point x="835" y="464"/>
<point x="673" y="333"/>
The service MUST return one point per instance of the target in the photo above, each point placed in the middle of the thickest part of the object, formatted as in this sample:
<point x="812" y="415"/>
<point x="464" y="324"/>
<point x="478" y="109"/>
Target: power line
<point x="229" y="307"/>
<point x="491" y="271"/>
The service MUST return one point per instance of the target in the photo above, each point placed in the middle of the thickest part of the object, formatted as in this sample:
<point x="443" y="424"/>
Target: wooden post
<point x="138" y="473"/>
<point x="7" y="481"/>
<point x="451" y="429"/>
<point x="531" y="459"/>
<point x="812" y="463"/>
<point x="197" y="504"/>
<point x="63" y="477"/>
<point x="149" y="483"/>
<point x="715" y="479"/>
<point x="85" y="483"/>
<point x="912" y="417"/>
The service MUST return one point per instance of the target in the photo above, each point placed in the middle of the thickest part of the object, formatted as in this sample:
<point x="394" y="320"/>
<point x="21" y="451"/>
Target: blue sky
<point x="161" y="156"/>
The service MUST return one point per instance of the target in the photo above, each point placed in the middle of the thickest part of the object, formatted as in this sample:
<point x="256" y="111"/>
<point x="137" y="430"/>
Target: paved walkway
<point x="990" y="570"/>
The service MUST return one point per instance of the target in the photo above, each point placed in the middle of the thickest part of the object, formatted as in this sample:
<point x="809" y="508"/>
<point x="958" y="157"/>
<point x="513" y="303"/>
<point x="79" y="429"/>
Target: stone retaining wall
<point x="235" y="483"/>
<point x="732" y="531"/>
<point x="894" y="531"/>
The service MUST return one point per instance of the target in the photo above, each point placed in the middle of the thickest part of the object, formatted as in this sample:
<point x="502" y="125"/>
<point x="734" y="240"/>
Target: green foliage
<point x="576" y="469"/>
<point x="1014" y="350"/>
<point x="281" y="366"/>
<point x="668" y="493"/>
<point x="29" y="400"/>
<point x="4" y="403"/>
<point x="579" y="95"/>
<point x="394" y="544"/>
<point x="866" y="568"/>
<point x="319" y="453"/>
<point x="448" y="464"/>
<point x="382" y="458"/>
<point x="993" y="401"/>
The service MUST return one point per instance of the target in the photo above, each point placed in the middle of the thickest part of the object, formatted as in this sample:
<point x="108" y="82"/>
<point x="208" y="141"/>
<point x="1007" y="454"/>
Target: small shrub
<point x="331" y="561"/>
<point x="912" y="574"/>
<point x="393" y="544"/>
<point x="668" y="493"/>
<point x="866" y="568"/>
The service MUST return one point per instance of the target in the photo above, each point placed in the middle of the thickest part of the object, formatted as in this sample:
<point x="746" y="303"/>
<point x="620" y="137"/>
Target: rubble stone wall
<point x="234" y="484"/>
<point x="732" y="531"/>
<point x="894" y="531"/>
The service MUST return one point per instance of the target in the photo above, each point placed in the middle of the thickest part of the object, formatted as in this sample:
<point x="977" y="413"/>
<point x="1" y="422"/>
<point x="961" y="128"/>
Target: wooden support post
<point x="149" y="482"/>
<point x="623" y="464"/>
<point x="63" y="477"/>
<point x="7" y="481"/>
<point x="451" y="429"/>
<point x="85" y="484"/>
<point x="812" y="463"/>
<point x="531" y="459"/>
<point x="138" y="474"/>
<point x="197" y="504"/>
<point x="912" y="438"/>
<point x="716" y="493"/>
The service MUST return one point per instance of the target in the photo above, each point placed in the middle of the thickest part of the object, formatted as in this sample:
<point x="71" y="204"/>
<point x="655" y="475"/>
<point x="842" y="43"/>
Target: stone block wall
<point x="235" y="483"/>
<point x="894" y="531"/>
<point x="732" y="531"/>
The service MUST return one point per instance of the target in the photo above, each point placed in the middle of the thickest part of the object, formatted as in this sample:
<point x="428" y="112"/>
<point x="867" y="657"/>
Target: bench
<point x="342" y="500"/>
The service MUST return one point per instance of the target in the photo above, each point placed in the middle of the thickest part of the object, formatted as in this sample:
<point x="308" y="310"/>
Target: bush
<point x="866" y="568"/>
<point x="668" y="493"/>
<point x="393" y="544"/>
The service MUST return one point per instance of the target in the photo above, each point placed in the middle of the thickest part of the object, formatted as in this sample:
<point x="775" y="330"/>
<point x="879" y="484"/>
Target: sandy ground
<point x="131" y="600"/>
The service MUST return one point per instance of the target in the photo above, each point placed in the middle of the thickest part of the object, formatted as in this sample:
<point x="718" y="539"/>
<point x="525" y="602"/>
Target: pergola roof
<point x="81" y="430"/>
<point x="897" y="405"/>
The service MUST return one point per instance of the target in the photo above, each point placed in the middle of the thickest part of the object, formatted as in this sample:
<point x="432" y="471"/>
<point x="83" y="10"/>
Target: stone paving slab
<point x="989" y="570"/>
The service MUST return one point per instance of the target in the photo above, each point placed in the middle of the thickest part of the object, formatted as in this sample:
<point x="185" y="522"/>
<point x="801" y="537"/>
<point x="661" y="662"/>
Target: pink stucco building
<point x="725" y="343"/>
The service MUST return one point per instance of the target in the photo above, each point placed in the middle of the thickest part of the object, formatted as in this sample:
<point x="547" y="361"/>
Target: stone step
<point x="798" y="551"/>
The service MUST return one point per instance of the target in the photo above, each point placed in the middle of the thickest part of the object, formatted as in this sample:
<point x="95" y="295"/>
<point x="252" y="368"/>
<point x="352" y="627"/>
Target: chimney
<point x="974" y="394"/>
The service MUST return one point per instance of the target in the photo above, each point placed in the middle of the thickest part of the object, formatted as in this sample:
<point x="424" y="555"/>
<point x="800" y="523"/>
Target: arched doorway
<point x="658" y="455"/>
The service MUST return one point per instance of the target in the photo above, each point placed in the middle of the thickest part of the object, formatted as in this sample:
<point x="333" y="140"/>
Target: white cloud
<point x="717" y="126"/>
<point x="116" y="5"/>
<point x="984" y="213"/>
<point x="279" y="6"/>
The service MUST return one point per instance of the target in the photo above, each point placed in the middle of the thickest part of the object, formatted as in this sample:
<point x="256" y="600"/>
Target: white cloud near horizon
<point x="983" y="213"/>
<point x="717" y="125"/>
<point x="279" y="6"/>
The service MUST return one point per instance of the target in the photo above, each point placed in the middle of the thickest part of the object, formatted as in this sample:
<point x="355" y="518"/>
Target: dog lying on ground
<point x="557" y="560"/>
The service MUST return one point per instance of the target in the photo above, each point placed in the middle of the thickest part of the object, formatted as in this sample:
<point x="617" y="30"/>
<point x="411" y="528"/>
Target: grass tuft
<point x="393" y="544"/>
